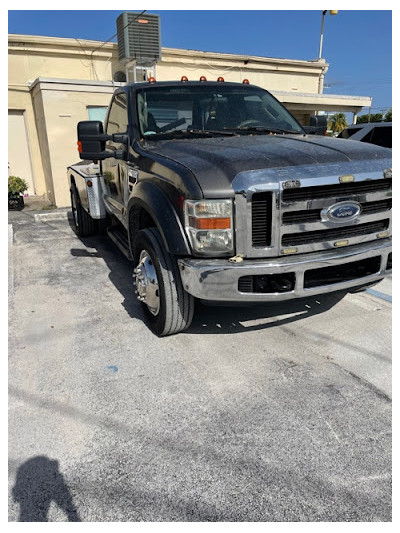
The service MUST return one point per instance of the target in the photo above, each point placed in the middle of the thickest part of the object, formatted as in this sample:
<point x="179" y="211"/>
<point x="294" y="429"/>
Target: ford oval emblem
<point x="341" y="212"/>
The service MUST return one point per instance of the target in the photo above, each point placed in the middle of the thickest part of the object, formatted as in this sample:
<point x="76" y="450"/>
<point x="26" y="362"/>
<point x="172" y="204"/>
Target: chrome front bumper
<point x="217" y="279"/>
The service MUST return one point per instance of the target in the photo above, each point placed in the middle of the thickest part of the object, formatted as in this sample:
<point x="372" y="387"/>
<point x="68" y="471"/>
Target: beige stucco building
<point x="53" y="83"/>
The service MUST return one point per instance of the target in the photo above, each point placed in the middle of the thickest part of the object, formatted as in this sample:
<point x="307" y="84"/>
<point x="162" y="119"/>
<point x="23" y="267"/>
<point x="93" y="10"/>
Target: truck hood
<point x="216" y="161"/>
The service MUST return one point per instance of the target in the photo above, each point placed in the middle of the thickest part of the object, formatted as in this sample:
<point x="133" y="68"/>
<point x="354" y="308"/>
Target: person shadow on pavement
<point x="38" y="483"/>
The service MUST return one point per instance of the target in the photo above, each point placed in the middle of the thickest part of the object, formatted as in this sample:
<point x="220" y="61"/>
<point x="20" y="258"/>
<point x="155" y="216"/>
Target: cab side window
<point x="118" y="117"/>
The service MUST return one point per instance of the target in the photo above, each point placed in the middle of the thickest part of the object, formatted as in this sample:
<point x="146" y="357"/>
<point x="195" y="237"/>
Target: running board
<point x="119" y="238"/>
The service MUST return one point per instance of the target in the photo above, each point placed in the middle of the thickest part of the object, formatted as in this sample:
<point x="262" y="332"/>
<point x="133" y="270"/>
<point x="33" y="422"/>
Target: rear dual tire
<point x="84" y="224"/>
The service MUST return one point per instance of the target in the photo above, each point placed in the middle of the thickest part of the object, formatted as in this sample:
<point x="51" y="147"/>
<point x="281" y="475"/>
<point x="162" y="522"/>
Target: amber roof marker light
<point x="246" y="81"/>
<point x="203" y="78"/>
<point x="151" y="79"/>
<point x="220" y="79"/>
<point x="184" y="78"/>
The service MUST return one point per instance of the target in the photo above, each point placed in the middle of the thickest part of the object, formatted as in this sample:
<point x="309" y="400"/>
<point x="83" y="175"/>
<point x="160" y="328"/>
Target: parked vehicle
<point x="379" y="133"/>
<point x="215" y="192"/>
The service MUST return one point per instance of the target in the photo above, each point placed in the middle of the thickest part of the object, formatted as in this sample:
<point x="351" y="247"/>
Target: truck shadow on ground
<point x="39" y="483"/>
<point x="207" y="319"/>
<point x="212" y="319"/>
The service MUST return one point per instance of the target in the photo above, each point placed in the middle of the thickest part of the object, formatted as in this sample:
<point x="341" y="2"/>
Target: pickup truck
<point x="217" y="193"/>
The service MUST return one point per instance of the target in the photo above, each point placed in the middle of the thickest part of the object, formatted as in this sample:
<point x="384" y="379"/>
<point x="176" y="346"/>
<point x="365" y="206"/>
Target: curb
<point x="10" y="235"/>
<point x="45" y="217"/>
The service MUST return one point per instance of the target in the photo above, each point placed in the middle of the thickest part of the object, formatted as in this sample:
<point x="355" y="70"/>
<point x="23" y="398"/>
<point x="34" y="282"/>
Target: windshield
<point x="169" y="109"/>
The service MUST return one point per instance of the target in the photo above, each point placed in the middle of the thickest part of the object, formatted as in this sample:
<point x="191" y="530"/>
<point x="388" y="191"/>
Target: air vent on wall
<point x="139" y="38"/>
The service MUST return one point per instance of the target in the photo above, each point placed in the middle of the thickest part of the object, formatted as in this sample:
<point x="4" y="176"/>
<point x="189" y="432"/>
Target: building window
<point x="97" y="112"/>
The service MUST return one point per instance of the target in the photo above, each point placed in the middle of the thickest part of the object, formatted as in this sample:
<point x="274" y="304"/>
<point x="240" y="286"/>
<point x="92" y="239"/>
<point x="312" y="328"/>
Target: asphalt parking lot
<point x="275" y="413"/>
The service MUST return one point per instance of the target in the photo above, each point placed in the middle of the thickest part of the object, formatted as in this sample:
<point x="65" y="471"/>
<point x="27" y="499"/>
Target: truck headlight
<point x="209" y="226"/>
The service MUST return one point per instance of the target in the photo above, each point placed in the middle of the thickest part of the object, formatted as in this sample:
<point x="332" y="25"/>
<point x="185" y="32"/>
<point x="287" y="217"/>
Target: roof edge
<point x="91" y="45"/>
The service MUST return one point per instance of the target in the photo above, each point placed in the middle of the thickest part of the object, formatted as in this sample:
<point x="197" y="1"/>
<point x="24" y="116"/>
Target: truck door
<point x="114" y="169"/>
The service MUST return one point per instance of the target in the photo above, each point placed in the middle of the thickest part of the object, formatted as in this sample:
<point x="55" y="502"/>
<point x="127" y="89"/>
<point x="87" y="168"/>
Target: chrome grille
<point x="302" y="225"/>
<point x="340" y="189"/>
<point x="346" y="232"/>
<point x="261" y="219"/>
<point x="314" y="215"/>
<point x="301" y="214"/>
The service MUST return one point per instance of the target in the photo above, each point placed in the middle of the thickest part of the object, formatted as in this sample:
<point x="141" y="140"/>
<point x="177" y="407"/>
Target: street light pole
<point x="321" y="37"/>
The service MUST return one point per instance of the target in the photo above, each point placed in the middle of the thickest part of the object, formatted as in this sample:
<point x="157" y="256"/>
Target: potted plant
<point x="16" y="188"/>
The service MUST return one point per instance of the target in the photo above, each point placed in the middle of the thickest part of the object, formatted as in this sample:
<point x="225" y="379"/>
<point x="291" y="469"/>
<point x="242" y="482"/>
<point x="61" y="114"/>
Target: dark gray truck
<point x="215" y="192"/>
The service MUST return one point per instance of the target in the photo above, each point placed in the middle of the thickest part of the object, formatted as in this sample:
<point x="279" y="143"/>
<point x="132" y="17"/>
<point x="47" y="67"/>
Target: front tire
<point x="167" y="306"/>
<point x="83" y="223"/>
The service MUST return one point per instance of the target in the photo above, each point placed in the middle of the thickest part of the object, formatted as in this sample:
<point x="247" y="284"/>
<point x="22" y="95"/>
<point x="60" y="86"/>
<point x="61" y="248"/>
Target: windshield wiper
<point x="188" y="133"/>
<point x="262" y="129"/>
<point x="212" y="132"/>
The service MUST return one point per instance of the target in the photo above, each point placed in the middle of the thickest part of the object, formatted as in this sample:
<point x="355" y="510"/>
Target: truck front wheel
<point x="168" y="307"/>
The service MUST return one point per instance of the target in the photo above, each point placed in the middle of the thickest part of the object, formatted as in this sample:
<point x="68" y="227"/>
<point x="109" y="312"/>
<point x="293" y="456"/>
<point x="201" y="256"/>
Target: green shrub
<point x="16" y="185"/>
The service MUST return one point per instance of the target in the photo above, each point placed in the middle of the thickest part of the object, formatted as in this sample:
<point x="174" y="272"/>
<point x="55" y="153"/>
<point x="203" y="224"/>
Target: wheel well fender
<point x="150" y="206"/>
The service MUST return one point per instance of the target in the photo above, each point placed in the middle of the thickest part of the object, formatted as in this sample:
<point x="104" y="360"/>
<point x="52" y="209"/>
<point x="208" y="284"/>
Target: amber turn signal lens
<point x="79" y="143"/>
<point x="210" y="223"/>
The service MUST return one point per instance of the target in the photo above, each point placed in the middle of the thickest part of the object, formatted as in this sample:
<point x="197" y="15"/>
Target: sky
<point x="357" y="43"/>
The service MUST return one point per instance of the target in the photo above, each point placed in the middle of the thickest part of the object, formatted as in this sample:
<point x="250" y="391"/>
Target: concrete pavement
<point x="274" y="413"/>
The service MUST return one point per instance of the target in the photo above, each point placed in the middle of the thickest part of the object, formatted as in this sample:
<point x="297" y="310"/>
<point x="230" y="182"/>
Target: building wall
<point x="59" y="107"/>
<point x="19" y="99"/>
<point x="31" y="57"/>
<point x="19" y="157"/>
<point x="269" y="73"/>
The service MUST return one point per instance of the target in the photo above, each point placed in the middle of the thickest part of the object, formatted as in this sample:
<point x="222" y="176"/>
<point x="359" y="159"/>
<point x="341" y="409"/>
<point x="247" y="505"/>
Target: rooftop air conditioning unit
<point x="139" y="38"/>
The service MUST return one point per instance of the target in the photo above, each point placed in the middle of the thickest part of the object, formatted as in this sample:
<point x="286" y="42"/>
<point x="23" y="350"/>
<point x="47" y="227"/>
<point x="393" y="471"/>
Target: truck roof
<point x="145" y="84"/>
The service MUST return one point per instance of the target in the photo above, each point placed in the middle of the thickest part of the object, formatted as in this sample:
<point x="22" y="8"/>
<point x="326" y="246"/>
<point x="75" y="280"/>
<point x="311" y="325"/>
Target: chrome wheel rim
<point x="147" y="283"/>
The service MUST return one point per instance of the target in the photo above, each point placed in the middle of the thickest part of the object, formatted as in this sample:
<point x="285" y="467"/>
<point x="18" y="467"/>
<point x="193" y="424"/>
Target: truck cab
<point x="216" y="192"/>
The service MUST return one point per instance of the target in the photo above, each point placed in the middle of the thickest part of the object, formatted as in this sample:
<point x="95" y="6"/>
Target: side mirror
<point x="318" y="125"/>
<point x="92" y="141"/>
